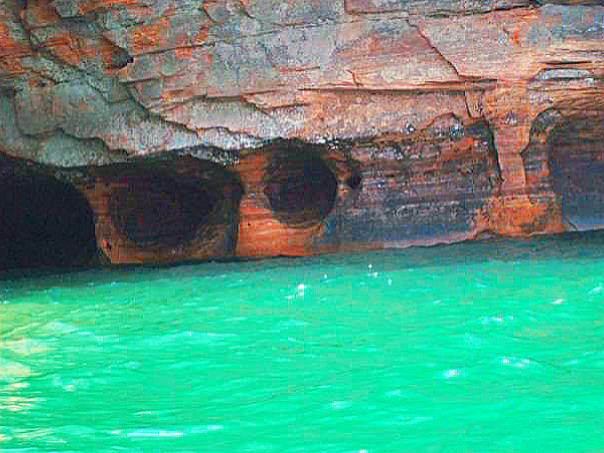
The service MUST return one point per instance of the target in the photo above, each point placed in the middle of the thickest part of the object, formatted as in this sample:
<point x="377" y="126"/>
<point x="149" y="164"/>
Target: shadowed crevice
<point x="44" y="222"/>
<point x="160" y="209"/>
<point x="301" y="188"/>
<point x="575" y="157"/>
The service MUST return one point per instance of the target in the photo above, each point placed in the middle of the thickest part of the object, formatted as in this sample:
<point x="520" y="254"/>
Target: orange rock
<point x="517" y="216"/>
<point x="11" y="51"/>
<point x="260" y="234"/>
<point x="148" y="38"/>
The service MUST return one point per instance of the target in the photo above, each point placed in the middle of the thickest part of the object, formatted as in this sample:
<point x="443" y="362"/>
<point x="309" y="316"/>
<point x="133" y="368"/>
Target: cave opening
<point x="157" y="209"/>
<point x="575" y="150"/>
<point x="44" y="222"/>
<point x="301" y="188"/>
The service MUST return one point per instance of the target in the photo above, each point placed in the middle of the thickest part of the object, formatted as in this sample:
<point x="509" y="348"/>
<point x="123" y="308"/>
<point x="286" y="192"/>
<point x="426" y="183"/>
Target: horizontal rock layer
<point x="195" y="130"/>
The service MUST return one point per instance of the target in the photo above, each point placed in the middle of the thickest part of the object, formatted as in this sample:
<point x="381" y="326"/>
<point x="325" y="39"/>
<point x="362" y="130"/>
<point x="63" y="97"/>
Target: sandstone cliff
<point x="168" y="130"/>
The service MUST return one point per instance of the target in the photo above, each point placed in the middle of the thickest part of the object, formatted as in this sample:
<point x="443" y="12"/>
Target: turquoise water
<point x="494" y="346"/>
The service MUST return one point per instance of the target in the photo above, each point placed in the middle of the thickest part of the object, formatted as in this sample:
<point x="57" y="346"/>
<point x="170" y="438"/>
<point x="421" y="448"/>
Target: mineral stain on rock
<point x="240" y="132"/>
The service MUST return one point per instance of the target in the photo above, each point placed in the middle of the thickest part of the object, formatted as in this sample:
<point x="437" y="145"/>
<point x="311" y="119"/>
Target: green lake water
<point x="492" y="346"/>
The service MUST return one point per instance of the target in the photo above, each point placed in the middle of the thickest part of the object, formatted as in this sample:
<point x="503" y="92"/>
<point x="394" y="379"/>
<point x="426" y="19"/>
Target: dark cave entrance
<point x="44" y="222"/>
<point x="301" y="188"/>
<point x="575" y="151"/>
<point x="159" y="209"/>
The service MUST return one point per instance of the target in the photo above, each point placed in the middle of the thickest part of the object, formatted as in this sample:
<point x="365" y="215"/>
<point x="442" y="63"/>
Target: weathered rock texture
<point x="219" y="128"/>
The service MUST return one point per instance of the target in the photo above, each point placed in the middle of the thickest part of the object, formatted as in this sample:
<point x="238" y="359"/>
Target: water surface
<point x="493" y="346"/>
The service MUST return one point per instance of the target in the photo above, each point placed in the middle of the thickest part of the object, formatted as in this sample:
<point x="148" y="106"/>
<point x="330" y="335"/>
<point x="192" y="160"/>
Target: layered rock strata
<point x="240" y="128"/>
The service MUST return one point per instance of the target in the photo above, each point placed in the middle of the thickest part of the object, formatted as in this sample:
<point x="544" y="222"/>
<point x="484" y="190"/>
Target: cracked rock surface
<point x="455" y="118"/>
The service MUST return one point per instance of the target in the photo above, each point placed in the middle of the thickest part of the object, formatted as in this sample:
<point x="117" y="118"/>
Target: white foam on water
<point x="298" y="293"/>
<point x="515" y="362"/>
<point x="340" y="404"/>
<point x="152" y="432"/>
<point x="452" y="373"/>
<point x="496" y="319"/>
<point x="206" y="429"/>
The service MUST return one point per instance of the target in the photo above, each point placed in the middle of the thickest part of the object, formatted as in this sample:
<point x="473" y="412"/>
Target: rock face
<point x="184" y="130"/>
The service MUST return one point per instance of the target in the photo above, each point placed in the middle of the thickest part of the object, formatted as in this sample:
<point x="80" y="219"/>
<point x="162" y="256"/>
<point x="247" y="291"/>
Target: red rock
<point x="345" y="125"/>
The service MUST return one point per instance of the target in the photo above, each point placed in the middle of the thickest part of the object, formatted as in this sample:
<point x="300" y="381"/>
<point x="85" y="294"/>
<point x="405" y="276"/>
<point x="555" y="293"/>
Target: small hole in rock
<point x="354" y="181"/>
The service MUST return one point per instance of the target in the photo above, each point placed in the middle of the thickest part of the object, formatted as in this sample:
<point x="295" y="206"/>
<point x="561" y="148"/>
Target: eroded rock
<point x="295" y="128"/>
